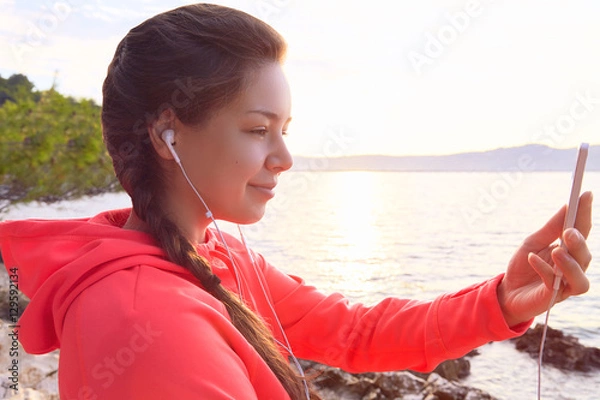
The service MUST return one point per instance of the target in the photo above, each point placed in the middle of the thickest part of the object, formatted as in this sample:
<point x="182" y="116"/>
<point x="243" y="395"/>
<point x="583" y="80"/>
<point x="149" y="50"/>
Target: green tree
<point x="16" y="88"/>
<point x="50" y="146"/>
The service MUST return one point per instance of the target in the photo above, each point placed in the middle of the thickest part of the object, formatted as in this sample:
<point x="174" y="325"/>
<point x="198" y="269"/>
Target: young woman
<point x="152" y="303"/>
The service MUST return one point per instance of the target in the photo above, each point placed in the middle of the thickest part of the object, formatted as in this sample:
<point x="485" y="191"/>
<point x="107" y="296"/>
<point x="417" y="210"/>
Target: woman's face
<point x="234" y="159"/>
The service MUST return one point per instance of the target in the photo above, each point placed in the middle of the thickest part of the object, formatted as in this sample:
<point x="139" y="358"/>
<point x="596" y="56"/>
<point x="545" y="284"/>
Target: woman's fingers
<point x="574" y="258"/>
<point x="583" y="222"/>
<point x="577" y="247"/>
<point x="548" y="233"/>
<point x="553" y="228"/>
<point x="542" y="268"/>
<point x="573" y="272"/>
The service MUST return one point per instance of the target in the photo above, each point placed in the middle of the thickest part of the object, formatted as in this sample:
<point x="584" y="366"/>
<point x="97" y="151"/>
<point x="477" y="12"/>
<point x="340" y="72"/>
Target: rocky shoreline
<point x="38" y="374"/>
<point x="335" y="384"/>
<point x="561" y="351"/>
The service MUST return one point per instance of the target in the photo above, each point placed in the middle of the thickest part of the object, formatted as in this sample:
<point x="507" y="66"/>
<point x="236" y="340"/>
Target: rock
<point x="5" y="308"/>
<point x="561" y="351"/>
<point x="31" y="394"/>
<point x="452" y="370"/>
<point x="439" y="388"/>
<point x="333" y="383"/>
<point x="37" y="374"/>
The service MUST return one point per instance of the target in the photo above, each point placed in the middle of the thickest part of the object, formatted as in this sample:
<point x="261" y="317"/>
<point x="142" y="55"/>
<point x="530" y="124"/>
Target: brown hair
<point x="193" y="60"/>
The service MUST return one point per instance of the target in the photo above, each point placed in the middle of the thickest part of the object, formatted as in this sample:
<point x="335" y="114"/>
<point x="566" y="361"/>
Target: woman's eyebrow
<point x="267" y="113"/>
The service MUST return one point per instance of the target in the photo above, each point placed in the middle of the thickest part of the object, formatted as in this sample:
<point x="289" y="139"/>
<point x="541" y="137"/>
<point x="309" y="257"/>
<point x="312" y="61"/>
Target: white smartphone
<point x="576" y="186"/>
<point x="577" y="178"/>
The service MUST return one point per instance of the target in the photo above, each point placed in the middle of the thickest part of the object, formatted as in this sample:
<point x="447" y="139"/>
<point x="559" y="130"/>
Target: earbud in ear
<point x="168" y="136"/>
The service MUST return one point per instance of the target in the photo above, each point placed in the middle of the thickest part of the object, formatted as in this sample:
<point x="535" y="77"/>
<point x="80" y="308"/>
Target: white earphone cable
<point x="168" y="139"/>
<point x="212" y="218"/>
<point x="543" y="339"/>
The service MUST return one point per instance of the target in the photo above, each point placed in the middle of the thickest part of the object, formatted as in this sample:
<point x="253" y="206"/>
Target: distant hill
<point x="533" y="157"/>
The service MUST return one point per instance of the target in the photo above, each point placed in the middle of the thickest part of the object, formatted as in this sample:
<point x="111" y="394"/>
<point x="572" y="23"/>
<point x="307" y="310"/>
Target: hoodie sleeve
<point x="394" y="334"/>
<point x="121" y="342"/>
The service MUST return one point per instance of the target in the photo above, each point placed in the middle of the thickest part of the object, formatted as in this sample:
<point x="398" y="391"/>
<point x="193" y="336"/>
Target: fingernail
<point x="573" y="234"/>
<point x="560" y="253"/>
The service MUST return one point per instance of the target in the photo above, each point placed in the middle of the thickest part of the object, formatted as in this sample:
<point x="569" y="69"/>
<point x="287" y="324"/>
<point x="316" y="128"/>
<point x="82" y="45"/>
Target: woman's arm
<point x="391" y="335"/>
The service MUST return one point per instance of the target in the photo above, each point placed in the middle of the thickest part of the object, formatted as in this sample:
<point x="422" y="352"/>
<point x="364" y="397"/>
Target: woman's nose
<point x="280" y="159"/>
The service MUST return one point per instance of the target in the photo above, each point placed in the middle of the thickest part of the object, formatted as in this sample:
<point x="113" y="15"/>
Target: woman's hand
<point x="527" y="287"/>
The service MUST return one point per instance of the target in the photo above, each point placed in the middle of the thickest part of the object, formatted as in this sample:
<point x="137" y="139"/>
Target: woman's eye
<point x="259" y="131"/>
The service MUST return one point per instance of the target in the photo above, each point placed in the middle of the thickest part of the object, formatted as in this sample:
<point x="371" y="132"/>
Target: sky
<point x="378" y="77"/>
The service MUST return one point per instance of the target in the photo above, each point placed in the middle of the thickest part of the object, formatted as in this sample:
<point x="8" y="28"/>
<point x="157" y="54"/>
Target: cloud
<point x="108" y="13"/>
<point x="78" y="64"/>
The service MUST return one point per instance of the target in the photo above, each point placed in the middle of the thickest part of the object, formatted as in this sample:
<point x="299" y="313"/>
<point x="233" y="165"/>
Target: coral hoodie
<point x="132" y="325"/>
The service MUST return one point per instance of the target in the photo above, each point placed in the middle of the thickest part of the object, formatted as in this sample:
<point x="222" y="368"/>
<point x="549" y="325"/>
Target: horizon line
<point x="444" y="154"/>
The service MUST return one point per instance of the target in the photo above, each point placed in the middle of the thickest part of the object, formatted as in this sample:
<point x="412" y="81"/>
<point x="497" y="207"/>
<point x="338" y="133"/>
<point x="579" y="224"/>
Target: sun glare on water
<point x="354" y="242"/>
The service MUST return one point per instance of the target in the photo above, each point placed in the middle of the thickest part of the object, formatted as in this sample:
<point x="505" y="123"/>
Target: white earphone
<point x="168" y="136"/>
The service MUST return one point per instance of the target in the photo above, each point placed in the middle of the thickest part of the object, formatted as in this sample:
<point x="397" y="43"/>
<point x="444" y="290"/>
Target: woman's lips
<point x="266" y="190"/>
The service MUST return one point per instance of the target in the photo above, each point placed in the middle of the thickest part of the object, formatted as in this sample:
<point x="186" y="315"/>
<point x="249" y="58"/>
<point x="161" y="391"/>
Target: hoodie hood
<point x="56" y="260"/>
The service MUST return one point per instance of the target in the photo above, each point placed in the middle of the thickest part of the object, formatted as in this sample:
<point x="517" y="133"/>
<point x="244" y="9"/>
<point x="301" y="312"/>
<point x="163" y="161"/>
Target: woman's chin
<point x="248" y="218"/>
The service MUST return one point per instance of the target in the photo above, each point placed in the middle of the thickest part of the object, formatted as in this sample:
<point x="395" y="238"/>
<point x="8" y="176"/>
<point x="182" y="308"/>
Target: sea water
<point x="370" y="235"/>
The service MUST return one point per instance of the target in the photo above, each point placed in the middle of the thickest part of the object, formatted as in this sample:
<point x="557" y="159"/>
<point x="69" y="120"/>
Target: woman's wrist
<point x="503" y="299"/>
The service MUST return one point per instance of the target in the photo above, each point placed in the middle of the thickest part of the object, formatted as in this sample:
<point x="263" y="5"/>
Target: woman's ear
<point x="155" y="132"/>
